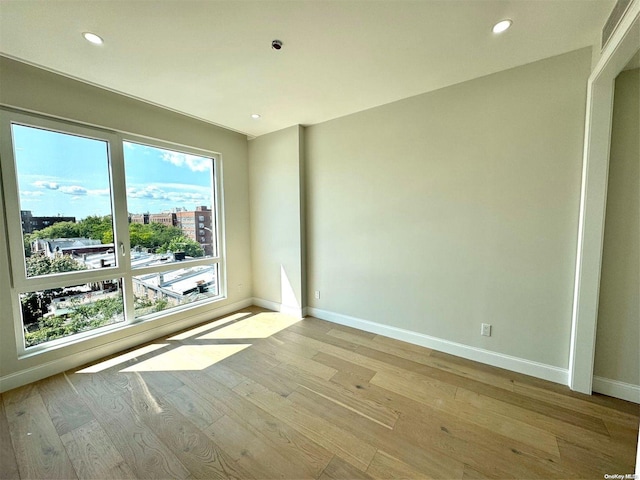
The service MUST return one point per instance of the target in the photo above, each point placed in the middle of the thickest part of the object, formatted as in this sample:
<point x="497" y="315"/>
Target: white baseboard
<point x="520" y="365"/>
<point x="615" y="388"/>
<point x="515" y="364"/>
<point x="279" y="307"/>
<point x="38" y="372"/>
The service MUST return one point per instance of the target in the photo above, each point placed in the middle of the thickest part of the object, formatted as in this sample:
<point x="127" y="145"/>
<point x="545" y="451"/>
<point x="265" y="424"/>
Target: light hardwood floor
<point x="260" y="395"/>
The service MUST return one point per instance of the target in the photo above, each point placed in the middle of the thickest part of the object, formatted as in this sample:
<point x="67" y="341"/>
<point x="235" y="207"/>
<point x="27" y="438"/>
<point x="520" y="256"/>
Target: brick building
<point x="197" y="226"/>
<point x="142" y="218"/>
<point x="30" y="223"/>
<point x="166" y="218"/>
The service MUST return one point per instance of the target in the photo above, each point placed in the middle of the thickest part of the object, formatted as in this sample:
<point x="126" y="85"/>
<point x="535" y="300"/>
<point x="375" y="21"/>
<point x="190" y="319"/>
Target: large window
<point x="104" y="229"/>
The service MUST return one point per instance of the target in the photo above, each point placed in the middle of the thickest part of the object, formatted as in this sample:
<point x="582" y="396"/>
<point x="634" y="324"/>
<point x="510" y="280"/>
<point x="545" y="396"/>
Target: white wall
<point x="460" y="206"/>
<point x="33" y="89"/>
<point x="276" y="196"/>
<point x="432" y="214"/>
<point x="618" y="334"/>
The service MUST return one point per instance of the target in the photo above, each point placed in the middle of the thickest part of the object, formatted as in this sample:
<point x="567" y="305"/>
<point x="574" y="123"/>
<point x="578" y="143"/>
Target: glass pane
<point x="156" y="292"/>
<point x="170" y="199"/>
<point x="65" y="201"/>
<point x="61" y="312"/>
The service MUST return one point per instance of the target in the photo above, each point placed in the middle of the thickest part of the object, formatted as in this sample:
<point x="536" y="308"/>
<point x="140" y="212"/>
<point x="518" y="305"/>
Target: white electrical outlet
<point x="485" y="330"/>
<point x="317" y="294"/>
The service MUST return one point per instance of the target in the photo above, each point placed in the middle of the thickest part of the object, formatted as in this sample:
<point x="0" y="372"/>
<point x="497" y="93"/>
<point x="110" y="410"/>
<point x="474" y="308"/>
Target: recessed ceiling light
<point x="502" y="26"/>
<point x="255" y="116"/>
<point x="93" y="38"/>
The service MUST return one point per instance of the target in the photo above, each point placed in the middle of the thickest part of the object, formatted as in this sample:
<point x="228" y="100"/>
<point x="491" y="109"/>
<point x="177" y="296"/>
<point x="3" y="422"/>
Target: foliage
<point x="183" y="244"/>
<point x="155" y="236"/>
<point x="50" y="329"/>
<point x="43" y="265"/>
<point x="141" y="302"/>
<point x="141" y="235"/>
<point x="87" y="316"/>
<point x="107" y="237"/>
<point x="160" y="304"/>
<point x="97" y="228"/>
<point x="34" y="306"/>
<point x="144" y="305"/>
<point x="28" y="238"/>
<point x="152" y="235"/>
<point x="83" y="317"/>
<point x="58" y="230"/>
<point x="94" y="227"/>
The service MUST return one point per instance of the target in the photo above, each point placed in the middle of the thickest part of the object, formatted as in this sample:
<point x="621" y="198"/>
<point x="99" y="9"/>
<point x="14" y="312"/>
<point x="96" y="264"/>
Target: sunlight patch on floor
<point x="125" y="357"/>
<point x="261" y="325"/>
<point x="214" y="324"/>
<point x="187" y="357"/>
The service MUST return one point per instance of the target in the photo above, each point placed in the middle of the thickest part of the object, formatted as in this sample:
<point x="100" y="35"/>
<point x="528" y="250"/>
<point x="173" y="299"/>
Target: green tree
<point x="96" y="227"/>
<point x="163" y="234"/>
<point x="107" y="237"/>
<point x="34" y="306"/>
<point x="49" y="329"/>
<point x="144" y="306"/>
<point x="83" y="317"/>
<point x="27" y="239"/>
<point x="140" y="235"/>
<point x="43" y="265"/>
<point x="152" y="235"/>
<point x="160" y="304"/>
<point x="59" y="230"/>
<point x="86" y="316"/>
<point x="141" y="302"/>
<point x="184" y="244"/>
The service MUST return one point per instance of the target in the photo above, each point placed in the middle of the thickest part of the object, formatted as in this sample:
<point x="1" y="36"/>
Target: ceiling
<point x="212" y="59"/>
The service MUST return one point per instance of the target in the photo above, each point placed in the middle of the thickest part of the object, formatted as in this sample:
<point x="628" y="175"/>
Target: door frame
<point x="622" y="45"/>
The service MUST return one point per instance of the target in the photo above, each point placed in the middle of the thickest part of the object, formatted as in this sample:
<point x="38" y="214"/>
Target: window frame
<point x="12" y="228"/>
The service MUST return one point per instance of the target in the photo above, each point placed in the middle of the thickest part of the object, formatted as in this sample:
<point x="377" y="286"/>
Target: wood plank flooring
<point x="258" y="395"/>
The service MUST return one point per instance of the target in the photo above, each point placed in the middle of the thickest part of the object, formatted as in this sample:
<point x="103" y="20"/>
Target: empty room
<point x="320" y="239"/>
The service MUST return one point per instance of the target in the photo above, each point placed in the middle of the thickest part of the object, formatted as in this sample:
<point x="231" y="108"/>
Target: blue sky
<point x="60" y="174"/>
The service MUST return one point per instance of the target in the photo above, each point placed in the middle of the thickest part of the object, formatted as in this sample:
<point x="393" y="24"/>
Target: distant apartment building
<point x="165" y="218"/>
<point x="142" y="218"/>
<point x="197" y="226"/>
<point x="30" y="223"/>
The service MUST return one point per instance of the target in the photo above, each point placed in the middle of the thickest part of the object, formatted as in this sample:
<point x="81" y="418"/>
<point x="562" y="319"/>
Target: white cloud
<point x="45" y="184"/>
<point x="195" y="164"/>
<point x="67" y="189"/>
<point x="150" y="191"/>
<point x="102" y="191"/>
<point x="180" y="198"/>
<point x="182" y="186"/>
<point x="73" y="190"/>
<point x="199" y="196"/>
<point x="30" y="193"/>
